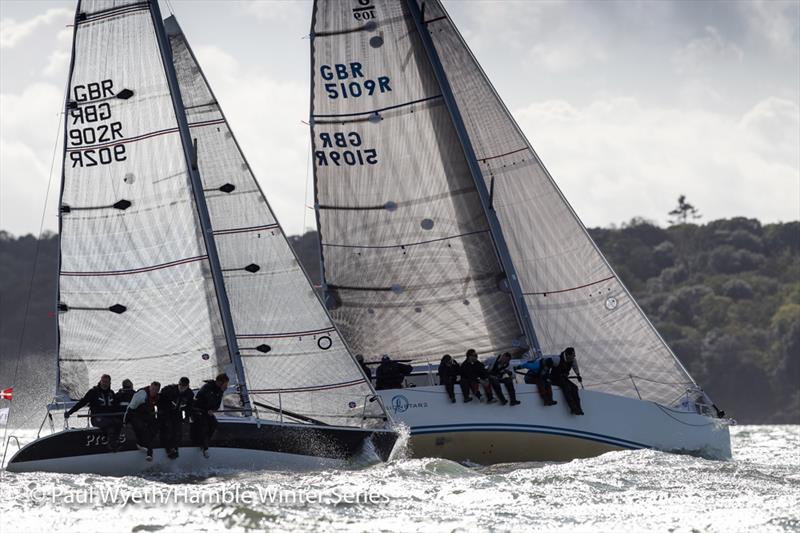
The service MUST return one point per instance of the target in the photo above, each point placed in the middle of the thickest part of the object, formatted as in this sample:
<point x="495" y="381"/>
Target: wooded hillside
<point x="725" y="295"/>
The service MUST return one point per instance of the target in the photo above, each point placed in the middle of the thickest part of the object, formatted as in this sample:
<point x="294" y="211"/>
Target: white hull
<point x="491" y="433"/>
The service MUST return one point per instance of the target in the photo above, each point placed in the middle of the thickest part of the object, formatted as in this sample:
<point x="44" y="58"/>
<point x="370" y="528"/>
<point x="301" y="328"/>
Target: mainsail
<point x="159" y="279"/>
<point x="409" y="264"/>
<point x="571" y="293"/>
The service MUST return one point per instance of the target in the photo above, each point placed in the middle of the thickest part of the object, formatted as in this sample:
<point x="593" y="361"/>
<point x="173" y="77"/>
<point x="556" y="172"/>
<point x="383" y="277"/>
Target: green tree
<point x="683" y="212"/>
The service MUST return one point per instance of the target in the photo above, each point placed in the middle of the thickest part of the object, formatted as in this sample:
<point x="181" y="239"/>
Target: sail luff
<point x="501" y="248"/>
<point x="59" y="393"/>
<point x="200" y="202"/>
<point x="311" y="89"/>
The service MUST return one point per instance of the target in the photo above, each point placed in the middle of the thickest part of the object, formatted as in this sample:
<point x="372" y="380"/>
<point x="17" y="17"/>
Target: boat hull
<point x="491" y="433"/>
<point x="239" y="444"/>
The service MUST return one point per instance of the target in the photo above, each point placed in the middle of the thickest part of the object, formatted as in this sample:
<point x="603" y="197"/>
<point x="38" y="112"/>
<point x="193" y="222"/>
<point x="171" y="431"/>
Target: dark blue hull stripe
<point x="526" y="428"/>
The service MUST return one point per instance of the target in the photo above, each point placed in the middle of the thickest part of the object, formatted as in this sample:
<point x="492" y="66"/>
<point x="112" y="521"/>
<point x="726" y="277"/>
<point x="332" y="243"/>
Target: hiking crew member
<point x="539" y="374"/>
<point x="390" y="374"/>
<point x="174" y="405"/>
<point x="141" y="414"/>
<point x="499" y="373"/>
<point x="560" y="377"/>
<point x="367" y="370"/>
<point x="100" y="400"/>
<point x="473" y="375"/>
<point x="207" y="400"/>
<point x="448" y="375"/>
<point x="124" y="396"/>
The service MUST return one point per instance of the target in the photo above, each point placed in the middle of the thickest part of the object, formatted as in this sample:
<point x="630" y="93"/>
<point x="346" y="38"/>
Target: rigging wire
<point x="32" y="278"/>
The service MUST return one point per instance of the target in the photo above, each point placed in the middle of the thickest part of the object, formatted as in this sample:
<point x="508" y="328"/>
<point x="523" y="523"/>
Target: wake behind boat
<point x="442" y="231"/>
<point x="172" y="264"/>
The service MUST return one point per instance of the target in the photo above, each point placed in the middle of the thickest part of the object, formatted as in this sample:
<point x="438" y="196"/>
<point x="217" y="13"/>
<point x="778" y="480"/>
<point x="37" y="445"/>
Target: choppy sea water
<point x="759" y="490"/>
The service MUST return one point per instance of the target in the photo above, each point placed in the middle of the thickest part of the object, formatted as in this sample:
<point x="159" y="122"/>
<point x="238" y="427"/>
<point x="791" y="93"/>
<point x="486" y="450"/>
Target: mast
<point x="189" y="151"/>
<point x="501" y="248"/>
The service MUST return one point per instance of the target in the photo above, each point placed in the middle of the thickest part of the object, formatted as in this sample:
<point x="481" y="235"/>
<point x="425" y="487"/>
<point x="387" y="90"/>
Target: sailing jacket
<point x="473" y="371"/>
<point x="172" y="401"/>
<point x="390" y="375"/>
<point x="98" y="400"/>
<point x="538" y="369"/>
<point x="208" y="398"/>
<point x="500" y="370"/>
<point x="122" y="398"/>
<point x="142" y="403"/>
<point x="450" y="371"/>
<point x="562" y="367"/>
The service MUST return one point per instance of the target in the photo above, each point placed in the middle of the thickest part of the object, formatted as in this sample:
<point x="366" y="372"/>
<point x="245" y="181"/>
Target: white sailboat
<point x="441" y="230"/>
<point x="172" y="264"/>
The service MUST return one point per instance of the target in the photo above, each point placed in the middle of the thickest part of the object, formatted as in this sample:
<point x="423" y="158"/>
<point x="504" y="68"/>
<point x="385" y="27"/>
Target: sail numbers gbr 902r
<point x="89" y="125"/>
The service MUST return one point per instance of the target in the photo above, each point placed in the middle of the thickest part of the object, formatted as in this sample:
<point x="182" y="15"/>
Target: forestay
<point x="409" y="264"/>
<point x="573" y="295"/>
<point x="294" y="358"/>
<point x="136" y="299"/>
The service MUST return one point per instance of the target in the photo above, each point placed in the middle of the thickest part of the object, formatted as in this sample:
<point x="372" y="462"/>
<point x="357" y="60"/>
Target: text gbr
<point x="355" y="88"/>
<point x="85" y="129"/>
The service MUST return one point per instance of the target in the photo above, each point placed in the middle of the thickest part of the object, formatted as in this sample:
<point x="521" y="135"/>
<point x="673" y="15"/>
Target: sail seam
<point x="287" y="334"/>
<point x="404" y="245"/>
<point x="137" y="270"/>
<point x="245" y="230"/>
<point x="312" y="388"/>
<point x="114" y="12"/>
<point x="484" y="159"/>
<point x="142" y="136"/>
<point x="545" y="293"/>
<point x="374" y="111"/>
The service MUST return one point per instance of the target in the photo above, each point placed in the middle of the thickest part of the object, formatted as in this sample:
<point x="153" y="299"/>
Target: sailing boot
<point x="149" y="454"/>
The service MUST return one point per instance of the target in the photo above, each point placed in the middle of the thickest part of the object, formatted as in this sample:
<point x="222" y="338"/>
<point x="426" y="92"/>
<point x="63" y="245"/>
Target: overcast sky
<point x="629" y="103"/>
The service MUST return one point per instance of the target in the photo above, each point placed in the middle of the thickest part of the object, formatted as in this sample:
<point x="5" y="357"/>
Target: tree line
<point x="725" y="295"/>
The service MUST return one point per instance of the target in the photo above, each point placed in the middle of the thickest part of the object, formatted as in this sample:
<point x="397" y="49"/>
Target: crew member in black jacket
<point x="448" y="375"/>
<point x="100" y="400"/>
<point x="207" y="400"/>
<point x="499" y="373"/>
<point x="174" y="406"/>
<point x="390" y="374"/>
<point x="473" y="375"/>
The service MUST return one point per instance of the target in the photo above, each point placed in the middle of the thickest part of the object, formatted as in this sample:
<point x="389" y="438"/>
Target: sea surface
<point x="758" y="490"/>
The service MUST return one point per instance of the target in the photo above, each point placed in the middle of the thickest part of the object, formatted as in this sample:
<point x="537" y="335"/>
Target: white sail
<point x="571" y="294"/>
<point x="135" y="291"/>
<point x="574" y="297"/>
<point x="409" y="265"/>
<point x="294" y="358"/>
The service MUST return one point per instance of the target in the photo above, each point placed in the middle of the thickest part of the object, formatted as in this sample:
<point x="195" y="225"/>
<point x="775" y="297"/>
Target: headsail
<point x="293" y="356"/>
<point x="410" y="268"/>
<point x="573" y="296"/>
